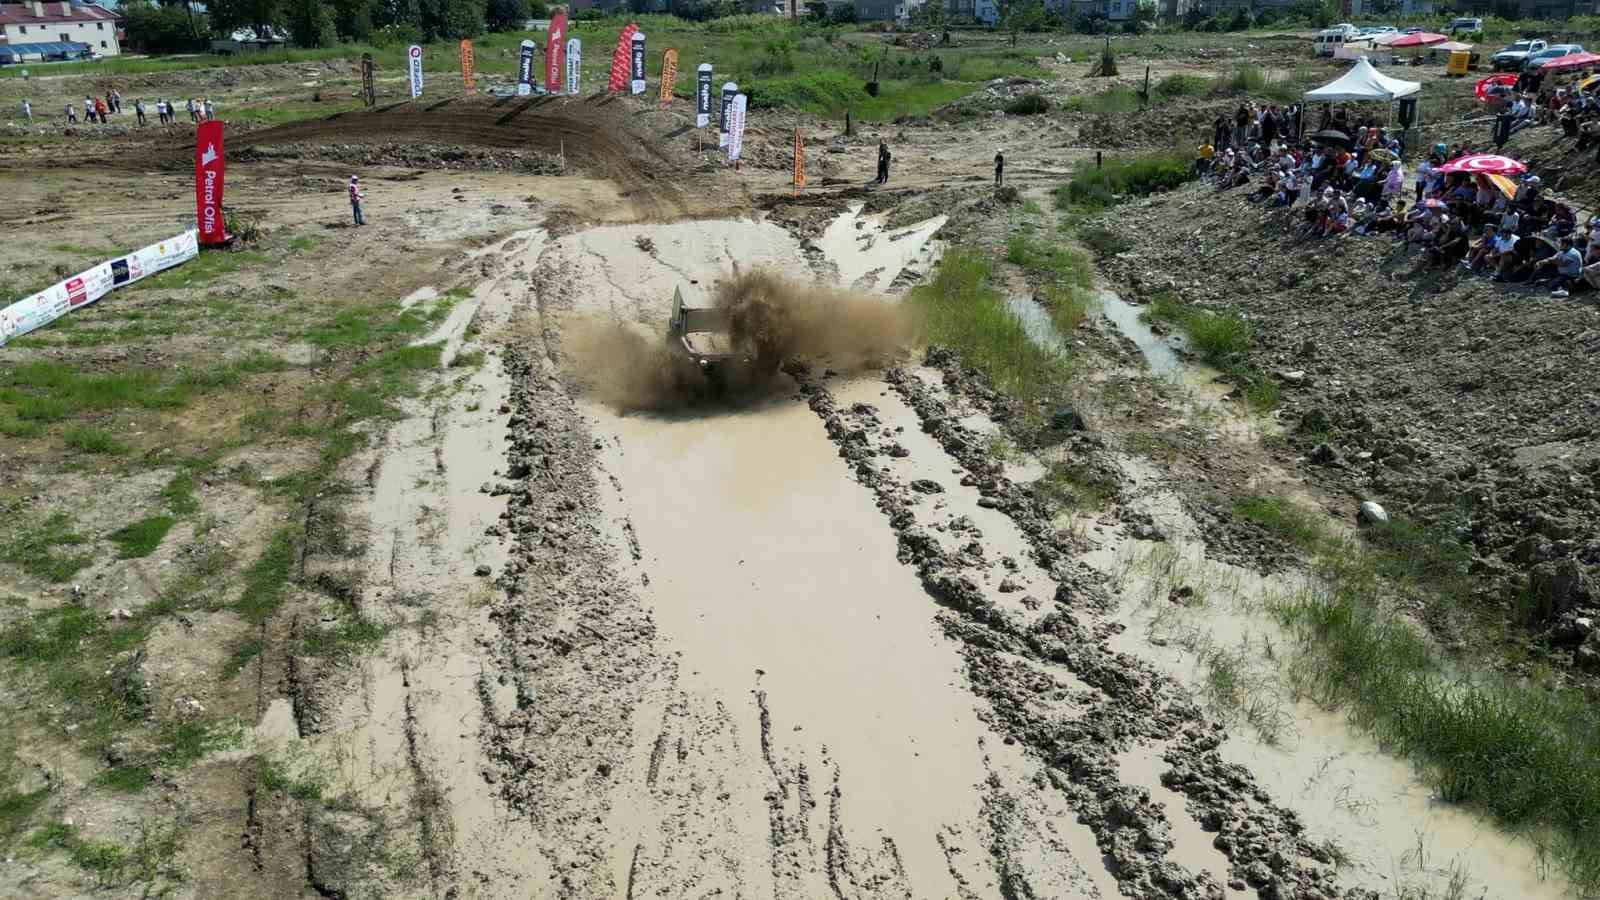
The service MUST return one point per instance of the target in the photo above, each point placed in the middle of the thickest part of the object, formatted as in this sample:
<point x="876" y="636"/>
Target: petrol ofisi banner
<point x="621" y="58"/>
<point x="466" y="68"/>
<point x="574" y="65"/>
<point x="702" y="96"/>
<point x="414" y="58"/>
<point x="84" y="288"/>
<point x="525" y="70"/>
<point x="729" y="89"/>
<point x="636" y="64"/>
<point x="555" y="41"/>
<point x="208" y="170"/>
<point x="736" y="127"/>
<point x="669" y="76"/>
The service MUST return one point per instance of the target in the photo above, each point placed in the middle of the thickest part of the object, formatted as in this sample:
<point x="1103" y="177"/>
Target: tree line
<point x="173" y="26"/>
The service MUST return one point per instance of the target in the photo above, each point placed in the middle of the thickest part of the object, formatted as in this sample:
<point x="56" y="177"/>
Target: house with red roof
<point x="26" y="25"/>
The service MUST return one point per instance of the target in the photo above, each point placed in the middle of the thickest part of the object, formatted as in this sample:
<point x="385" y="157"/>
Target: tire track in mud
<point x="1264" y="843"/>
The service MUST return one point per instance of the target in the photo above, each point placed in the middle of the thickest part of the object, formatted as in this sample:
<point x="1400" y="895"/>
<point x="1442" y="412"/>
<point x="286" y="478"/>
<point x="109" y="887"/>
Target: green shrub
<point x="1180" y="85"/>
<point x="1029" y="104"/>
<point x="1122" y="176"/>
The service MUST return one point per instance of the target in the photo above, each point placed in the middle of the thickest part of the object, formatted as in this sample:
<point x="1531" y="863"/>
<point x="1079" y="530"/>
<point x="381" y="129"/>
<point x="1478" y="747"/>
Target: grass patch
<point x="1054" y="263"/>
<point x="1181" y="85"/>
<point x="961" y="308"/>
<point x="1104" y="241"/>
<point x="140" y="539"/>
<point x="1283" y="519"/>
<point x="125" y="779"/>
<point x="268" y="577"/>
<point x="179" y="495"/>
<point x="346" y="639"/>
<point x="87" y="439"/>
<point x="1074" y="486"/>
<point x="1221" y="339"/>
<point x="1032" y="103"/>
<point x="150" y="860"/>
<point x="38" y="548"/>
<point x="1092" y="187"/>
<point x="1118" y="99"/>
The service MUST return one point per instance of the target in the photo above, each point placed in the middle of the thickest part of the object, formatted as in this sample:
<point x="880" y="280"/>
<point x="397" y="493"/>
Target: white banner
<point x="736" y="127"/>
<point x="84" y="288"/>
<point x="415" y="56"/>
<point x="574" y="64"/>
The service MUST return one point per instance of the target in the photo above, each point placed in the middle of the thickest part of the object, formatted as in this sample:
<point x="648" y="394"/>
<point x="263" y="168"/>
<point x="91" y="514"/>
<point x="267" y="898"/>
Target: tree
<point x="228" y="16"/>
<point x="1021" y="15"/>
<point x="930" y="16"/>
<point x="353" y="19"/>
<point x="450" y="19"/>
<point x="157" y="29"/>
<point x="843" y="14"/>
<point x="506" y="15"/>
<point x="311" y="24"/>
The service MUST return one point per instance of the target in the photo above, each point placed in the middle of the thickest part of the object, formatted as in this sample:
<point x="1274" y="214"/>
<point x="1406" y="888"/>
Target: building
<point x="985" y="12"/>
<point x="246" y="40"/>
<point x="898" y="11"/>
<point x="60" y="21"/>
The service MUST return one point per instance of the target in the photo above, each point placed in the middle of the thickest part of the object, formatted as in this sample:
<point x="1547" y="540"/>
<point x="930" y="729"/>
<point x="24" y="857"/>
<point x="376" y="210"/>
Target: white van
<point x="1329" y="42"/>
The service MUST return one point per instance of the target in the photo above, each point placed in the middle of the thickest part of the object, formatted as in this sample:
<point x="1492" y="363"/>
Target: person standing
<point x="27" y="110"/>
<point x="138" y="111"/>
<point x="355" y="200"/>
<point x="72" y="114"/>
<point x="999" y="168"/>
<point x="116" y="101"/>
<point x="210" y="109"/>
<point x="88" y="109"/>
<point x="100" y="110"/>
<point x="189" y="105"/>
<point x="884" y="156"/>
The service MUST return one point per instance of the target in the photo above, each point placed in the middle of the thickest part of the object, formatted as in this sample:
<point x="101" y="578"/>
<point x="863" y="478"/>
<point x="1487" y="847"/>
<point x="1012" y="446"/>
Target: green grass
<point x="269" y="576"/>
<point x="1104" y="241"/>
<point x="1051" y="263"/>
<point x="17" y="807"/>
<point x="1283" y="519"/>
<point x="1076" y="487"/>
<point x="1092" y="187"/>
<point x="1032" y="103"/>
<point x="1181" y="85"/>
<point x="125" y="779"/>
<point x="1221" y="339"/>
<point x="1117" y="99"/>
<point x="179" y="495"/>
<point x="962" y="308"/>
<point x="149" y="861"/>
<point x="87" y="439"/>
<point x="40" y="547"/>
<point x="140" y="539"/>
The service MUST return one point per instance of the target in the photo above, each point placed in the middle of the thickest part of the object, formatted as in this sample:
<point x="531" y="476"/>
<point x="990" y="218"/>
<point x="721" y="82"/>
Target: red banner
<point x="555" y="45"/>
<point x="622" y="59"/>
<point x="208" y="181"/>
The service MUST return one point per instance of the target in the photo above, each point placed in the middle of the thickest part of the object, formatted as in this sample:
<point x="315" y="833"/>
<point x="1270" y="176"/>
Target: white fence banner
<point x="736" y="127"/>
<point x="84" y="288"/>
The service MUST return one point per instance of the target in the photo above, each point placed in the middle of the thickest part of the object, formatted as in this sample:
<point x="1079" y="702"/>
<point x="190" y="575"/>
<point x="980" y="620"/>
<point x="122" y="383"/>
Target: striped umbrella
<point x="1485" y="164"/>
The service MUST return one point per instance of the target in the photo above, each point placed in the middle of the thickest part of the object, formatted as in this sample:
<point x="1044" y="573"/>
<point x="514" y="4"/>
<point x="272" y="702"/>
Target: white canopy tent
<point x="1363" y="82"/>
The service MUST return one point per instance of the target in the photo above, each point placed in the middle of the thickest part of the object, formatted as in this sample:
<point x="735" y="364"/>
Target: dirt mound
<point x="412" y="156"/>
<point x="1467" y="405"/>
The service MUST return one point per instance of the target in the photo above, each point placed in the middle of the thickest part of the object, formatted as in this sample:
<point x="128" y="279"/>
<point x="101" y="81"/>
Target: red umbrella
<point x="1571" y="61"/>
<point x="1420" y="39"/>
<point x="1484" y="164"/>
<point x="1434" y="203"/>
<point x="1481" y="91"/>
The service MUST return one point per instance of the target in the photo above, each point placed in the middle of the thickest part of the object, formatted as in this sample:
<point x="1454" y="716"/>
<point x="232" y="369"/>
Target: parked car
<point x="1412" y="30"/>
<point x="1467" y="26"/>
<point x="1535" y="60"/>
<point x="1511" y="57"/>
<point x="1329" y="41"/>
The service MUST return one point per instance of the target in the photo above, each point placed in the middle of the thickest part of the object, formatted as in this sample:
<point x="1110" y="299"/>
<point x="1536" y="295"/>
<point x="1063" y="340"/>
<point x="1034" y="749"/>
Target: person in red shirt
<point x="100" y="110"/>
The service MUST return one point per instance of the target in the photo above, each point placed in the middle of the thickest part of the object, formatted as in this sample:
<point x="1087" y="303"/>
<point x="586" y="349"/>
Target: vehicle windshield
<point x="1520" y="45"/>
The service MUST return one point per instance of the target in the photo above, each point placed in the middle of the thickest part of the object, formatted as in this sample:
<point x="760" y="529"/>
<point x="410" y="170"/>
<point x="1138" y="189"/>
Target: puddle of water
<point x="1157" y="350"/>
<point x="1371" y="805"/>
<point x="453" y="330"/>
<point x="869" y="257"/>
<point x="1036" y="323"/>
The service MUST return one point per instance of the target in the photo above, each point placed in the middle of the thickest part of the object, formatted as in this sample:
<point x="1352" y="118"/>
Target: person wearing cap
<point x="355" y="200"/>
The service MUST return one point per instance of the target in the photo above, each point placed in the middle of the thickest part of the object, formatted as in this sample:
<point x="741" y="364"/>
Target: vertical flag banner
<point x="799" y="162"/>
<point x="466" y="68"/>
<point x="555" y="40"/>
<point x="208" y="182"/>
<point x="736" y="127"/>
<point x="669" y="76"/>
<point x="636" y="67"/>
<point x="369" y="94"/>
<point x="414" y="55"/>
<point x="702" y="96"/>
<point x="728" y="90"/>
<point x="574" y="65"/>
<point x="525" y="70"/>
<point x="620" y="58"/>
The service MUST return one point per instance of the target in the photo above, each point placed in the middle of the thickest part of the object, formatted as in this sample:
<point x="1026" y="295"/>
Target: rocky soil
<point x="1461" y="403"/>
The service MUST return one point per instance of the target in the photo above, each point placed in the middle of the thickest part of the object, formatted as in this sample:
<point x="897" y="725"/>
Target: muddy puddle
<point x="867" y="256"/>
<point x="1158" y="350"/>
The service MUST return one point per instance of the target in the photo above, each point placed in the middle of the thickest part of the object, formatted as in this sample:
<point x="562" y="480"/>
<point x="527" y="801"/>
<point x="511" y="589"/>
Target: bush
<point x="1181" y="85"/>
<point x="1120" y="176"/>
<point x="1029" y="104"/>
<point x="818" y="91"/>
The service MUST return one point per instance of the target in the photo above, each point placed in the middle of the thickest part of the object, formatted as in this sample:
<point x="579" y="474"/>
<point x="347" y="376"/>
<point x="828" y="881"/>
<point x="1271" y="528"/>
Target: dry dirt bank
<point x="1456" y="401"/>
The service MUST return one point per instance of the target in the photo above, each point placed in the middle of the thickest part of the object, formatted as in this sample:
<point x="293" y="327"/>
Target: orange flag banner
<point x="799" y="162"/>
<point x="466" y="68"/>
<point x="669" y="75"/>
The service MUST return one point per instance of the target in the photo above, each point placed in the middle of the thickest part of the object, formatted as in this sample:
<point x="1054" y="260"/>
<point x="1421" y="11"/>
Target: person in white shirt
<point x="27" y="110"/>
